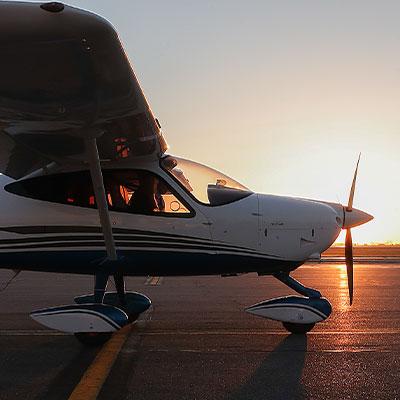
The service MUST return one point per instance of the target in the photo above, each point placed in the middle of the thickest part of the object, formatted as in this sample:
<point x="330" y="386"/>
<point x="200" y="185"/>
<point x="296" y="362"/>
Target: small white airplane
<point x="89" y="188"/>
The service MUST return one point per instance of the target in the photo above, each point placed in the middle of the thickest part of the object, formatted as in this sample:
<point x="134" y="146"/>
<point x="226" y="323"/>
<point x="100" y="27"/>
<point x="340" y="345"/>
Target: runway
<point x="197" y="342"/>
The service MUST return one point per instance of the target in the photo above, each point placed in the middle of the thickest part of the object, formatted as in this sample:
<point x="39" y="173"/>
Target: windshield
<point x="207" y="185"/>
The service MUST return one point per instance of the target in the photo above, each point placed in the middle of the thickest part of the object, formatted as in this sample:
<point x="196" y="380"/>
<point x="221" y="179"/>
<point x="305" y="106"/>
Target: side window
<point x="130" y="191"/>
<point x="141" y="192"/>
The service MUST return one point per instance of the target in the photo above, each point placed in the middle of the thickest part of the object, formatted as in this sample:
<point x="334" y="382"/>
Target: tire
<point x="93" y="339"/>
<point x="298" y="329"/>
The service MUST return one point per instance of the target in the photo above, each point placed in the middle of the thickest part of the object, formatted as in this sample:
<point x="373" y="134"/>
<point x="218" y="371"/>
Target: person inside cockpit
<point x="146" y="199"/>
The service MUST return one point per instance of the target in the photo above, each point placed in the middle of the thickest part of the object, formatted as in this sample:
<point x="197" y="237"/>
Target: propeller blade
<point x="353" y="187"/>
<point x="348" y="251"/>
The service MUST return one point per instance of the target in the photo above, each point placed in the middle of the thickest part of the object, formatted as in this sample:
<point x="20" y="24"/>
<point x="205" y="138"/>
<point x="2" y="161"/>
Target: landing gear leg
<point x="120" y="286"/>
<point x="100" y="285"/>
<point x="122" y="298"/>
<point x="298" y="286"/>
<point x="96" y="338"/>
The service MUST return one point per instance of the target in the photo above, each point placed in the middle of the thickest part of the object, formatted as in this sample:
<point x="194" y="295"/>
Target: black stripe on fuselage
<point x="134" y="245"/>
<point x="44" y="230"/>
<point x="31" y="230"/>
<point x="48" y="229"/>
<point x="68" y="229"/>
<point x="137" y="235"/>
<point x="128" y="239"/>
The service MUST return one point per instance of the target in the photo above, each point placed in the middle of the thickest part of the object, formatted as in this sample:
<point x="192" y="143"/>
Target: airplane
<point x="88" y="186"/>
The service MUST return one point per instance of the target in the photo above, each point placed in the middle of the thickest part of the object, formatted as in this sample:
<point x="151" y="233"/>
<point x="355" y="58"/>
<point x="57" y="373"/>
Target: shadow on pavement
<point x="279" y="375"/>
<point x="69" y="376"/>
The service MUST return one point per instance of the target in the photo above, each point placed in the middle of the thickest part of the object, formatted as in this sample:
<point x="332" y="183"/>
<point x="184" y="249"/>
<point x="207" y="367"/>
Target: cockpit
<point x="137" y="191"/>
<point x="205" y="184"/>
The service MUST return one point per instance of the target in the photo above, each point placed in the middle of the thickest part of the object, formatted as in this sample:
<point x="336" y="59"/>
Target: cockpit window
<point x="130" y="191"/>
<point x="207" y="185"/>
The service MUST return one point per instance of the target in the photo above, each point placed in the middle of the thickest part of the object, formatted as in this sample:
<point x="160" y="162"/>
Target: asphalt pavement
<point x="196" y="342"/>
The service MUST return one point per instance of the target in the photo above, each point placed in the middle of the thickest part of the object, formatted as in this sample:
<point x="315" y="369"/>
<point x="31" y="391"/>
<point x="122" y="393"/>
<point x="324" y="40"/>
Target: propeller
<point x="348" y="249"/>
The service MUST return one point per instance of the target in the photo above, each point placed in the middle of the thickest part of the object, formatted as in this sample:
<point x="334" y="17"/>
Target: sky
<point x="282" y="96"/>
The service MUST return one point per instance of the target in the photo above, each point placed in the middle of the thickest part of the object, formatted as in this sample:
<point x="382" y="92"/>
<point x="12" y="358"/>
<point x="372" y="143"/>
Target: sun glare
<point x="343" y="303"/>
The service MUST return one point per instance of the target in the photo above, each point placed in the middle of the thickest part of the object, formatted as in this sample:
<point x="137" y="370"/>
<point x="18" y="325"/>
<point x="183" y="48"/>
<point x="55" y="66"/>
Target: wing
<point x="64" y="77"/>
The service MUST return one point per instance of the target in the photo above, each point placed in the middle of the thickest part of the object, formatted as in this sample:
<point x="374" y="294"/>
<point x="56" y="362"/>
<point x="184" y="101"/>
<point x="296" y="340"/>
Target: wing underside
<point x="64" y="77"/>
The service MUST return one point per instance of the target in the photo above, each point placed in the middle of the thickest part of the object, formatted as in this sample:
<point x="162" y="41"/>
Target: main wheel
<point x="299" y="329"/>
<point x="93" y="338"/>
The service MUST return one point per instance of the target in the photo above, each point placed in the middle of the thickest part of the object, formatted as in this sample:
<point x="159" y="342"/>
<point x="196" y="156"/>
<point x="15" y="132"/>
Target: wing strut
<point x="100" y="195"/>
<point x="101" y="277"/>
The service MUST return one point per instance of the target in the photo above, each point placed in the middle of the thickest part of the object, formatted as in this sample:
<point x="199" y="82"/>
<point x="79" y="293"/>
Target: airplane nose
<point x="354" y="218"/>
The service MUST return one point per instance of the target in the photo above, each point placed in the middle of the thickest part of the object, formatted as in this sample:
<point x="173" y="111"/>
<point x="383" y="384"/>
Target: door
<point x="157" y="230"/>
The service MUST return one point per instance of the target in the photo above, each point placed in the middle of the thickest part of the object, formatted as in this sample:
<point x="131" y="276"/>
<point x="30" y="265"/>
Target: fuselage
<point x="254" y="233"/>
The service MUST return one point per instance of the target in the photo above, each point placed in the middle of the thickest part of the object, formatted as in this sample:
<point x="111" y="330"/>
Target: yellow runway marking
<point x="92" y="381"/>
